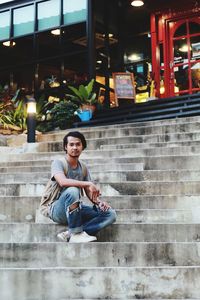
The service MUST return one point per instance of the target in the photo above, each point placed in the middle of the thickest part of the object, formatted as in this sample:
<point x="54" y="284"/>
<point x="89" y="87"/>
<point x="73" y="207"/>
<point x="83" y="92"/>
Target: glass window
<point x="180" y="51"/>
<point x="4" y="25"/>
<point x="195" y="69"/>
<point x="195" y="47"/>
<point x="48" y="44"/>
<point x="4" y="1"/>
<point x="48" y="14"/>
<point x="182" y="30"/>
<point x="23" y="78"/>
<point x="181" y="77"/>
<point x="194" y="27"/>
<point x="74" y="11"/>
<point x="23" y="20"/>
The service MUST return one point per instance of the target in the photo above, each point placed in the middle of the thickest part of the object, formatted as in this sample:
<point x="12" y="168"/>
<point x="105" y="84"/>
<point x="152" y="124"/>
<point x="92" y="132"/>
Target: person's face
<point x="74" y="146"/>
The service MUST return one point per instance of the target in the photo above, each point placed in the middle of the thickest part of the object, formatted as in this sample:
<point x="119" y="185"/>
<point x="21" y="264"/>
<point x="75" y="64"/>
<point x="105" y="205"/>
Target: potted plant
<point x="84" y="96"/>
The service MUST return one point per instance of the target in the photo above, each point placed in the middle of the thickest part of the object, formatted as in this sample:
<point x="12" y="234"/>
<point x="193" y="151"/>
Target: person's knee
<point x="112" y="215"/>
<point x="74" y="206"/>
<point x="71" y="198"/>
<point x="71" y="195"/>
<point x="74" y="192"/>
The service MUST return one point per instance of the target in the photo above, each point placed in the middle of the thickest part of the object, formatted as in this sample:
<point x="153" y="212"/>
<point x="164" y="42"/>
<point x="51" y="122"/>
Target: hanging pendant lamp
<point x="137" y="3"/>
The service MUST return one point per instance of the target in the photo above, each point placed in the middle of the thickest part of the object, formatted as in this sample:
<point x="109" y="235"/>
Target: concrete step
<point x="45" y="163"/>
<point x="25" y="163"/>
<point x="167" y="233"/>
<point x="23" y="177"/>
<point x="61" y="254"/>
<point x="157" y="151"/>
<point x="157" y="188"/>
<point x="158" y="216"/>
<point x="97" y="143"/>
<point x="161" y="127"/>
<point x="172" y="162"/>
<point x="154" y="138"/>
<point x="130" y="209"/>
<point x="24" y="169"/>
<point x="112" y="188"/>
<point x="86" y="283"/>
<point x="143" y="130"/>
<point x="151" y="145"/>
<point x="34" y="175"/>
<point x="15" y="171"/>
<point x="29" y="156"/>
<point x="182" y="125"/>
<point x="129" y="129"/>
<point x="109" y="153"/>
<point x="150" y="163"/>
<point x="93" y="143"/>
<point x="29" y="213"/>
<point x="147" y="175"/>
<point x="150" y="216"/>
<point x="13" y="204"/>
<point x="133" y="152"/>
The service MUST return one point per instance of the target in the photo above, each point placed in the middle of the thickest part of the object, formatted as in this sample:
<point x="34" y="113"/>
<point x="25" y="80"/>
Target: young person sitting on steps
<point x="83" y="221"/>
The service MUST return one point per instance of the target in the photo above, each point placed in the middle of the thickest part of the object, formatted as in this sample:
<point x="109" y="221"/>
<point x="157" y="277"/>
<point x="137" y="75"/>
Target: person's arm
<point x="91" y="190"/>
<point x="104" y="206"/>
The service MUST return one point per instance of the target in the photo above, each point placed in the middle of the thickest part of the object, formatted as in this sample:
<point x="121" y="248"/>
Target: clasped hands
<point x="93" y="193"/>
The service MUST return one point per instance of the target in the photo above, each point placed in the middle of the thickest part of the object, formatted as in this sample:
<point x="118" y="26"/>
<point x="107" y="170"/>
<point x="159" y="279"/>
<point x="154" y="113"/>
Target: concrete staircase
<point x="150" y="173"/>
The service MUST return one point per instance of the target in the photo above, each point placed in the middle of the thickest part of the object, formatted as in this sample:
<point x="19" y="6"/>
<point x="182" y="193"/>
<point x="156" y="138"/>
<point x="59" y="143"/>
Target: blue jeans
<point x="83" y="218"/>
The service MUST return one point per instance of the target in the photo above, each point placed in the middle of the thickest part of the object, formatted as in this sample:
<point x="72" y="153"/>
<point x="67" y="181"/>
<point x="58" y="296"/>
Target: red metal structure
<point x="175" y="37"/>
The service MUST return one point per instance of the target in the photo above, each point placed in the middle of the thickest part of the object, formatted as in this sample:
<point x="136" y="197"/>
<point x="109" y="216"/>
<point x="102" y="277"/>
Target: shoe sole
<point x="61" y="238"/>
<point x="88" y="241"/>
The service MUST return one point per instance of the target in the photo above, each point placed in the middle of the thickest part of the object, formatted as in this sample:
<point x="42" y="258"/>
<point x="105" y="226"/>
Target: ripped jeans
<point x="83" y="218"/>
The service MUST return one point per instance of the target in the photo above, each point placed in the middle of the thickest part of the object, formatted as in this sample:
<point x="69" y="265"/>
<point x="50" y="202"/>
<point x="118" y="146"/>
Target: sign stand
<point x="124" y="86"/>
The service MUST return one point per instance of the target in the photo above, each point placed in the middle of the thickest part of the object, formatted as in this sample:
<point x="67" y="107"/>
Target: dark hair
<point x="75" y="134"/>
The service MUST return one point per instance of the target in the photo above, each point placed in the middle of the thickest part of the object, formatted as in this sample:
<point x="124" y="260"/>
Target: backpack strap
<point x="84" y="168"/>
<point x="82" y="164"/>
<point x="65" y="164"/>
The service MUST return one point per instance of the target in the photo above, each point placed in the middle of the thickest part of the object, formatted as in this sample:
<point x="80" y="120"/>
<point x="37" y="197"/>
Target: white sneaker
<point x="82" y="237"/>
<point x="64" y="236"/>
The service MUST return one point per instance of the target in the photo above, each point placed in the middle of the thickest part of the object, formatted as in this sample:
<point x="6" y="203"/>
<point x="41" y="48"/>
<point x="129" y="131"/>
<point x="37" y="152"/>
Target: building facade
<point x="52" y="43"/>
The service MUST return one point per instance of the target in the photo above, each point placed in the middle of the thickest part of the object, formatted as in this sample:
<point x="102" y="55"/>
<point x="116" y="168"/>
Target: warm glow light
<point x="137" y="3"/>
<point x="134" y="57"/>
<point x="109" y="35"/>
<point x="184" y="48"/>
<point x="31" y="107"/>
<point x="55" y="32"/>
<point x="9" y="43"/>
<point x="162" y="90"/>
<point x="162" y="87"/>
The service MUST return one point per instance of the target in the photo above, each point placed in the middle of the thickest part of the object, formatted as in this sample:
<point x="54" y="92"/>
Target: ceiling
<point x="136" y="20"/>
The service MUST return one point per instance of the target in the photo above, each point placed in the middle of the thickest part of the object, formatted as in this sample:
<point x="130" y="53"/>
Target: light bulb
<point x="137" y="3"/>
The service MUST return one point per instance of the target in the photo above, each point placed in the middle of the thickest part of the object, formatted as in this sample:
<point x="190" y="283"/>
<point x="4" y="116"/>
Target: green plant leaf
<point x="83" y="92"/>
<point x="89" y="87"/>
<point x="14" y="98"/>
<point x="75" y="91"/>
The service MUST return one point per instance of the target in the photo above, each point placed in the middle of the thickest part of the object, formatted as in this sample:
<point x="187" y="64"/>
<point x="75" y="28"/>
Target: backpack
<point x="52" y="189"/>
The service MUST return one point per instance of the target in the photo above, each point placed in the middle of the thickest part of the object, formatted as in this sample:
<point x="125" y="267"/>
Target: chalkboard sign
<point x="124" y="86"/>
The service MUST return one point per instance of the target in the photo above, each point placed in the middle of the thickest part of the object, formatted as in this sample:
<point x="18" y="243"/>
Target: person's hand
<point x="93" y="192"/>
<point x="104" y="206"/>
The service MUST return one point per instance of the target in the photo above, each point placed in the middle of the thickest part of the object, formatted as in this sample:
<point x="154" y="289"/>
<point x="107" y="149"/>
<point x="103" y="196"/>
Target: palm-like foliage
<point x="6" y="114"/>
<point x="83" y="94"/>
